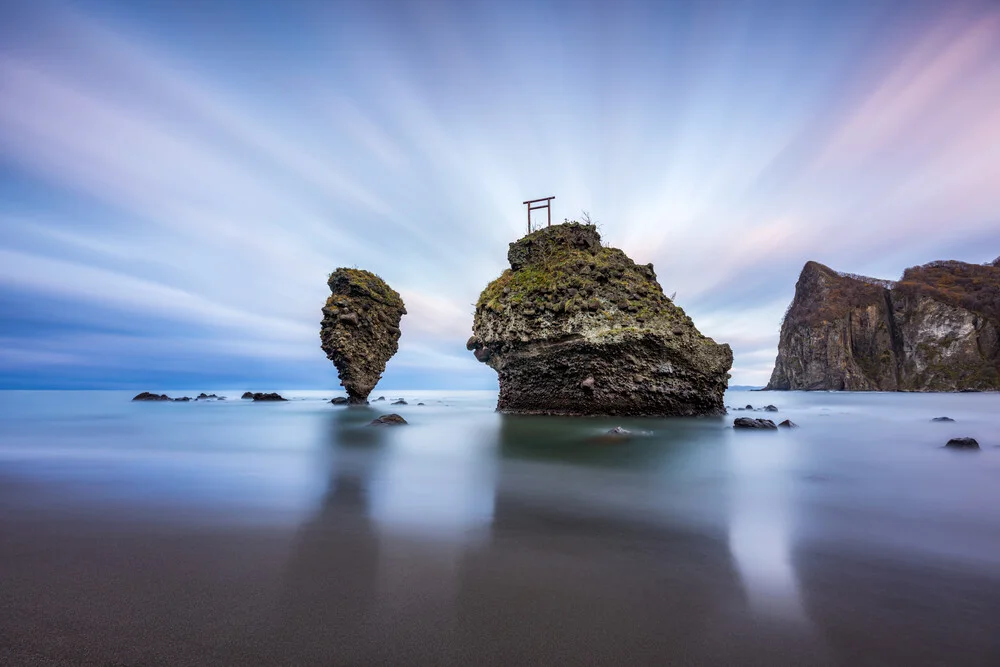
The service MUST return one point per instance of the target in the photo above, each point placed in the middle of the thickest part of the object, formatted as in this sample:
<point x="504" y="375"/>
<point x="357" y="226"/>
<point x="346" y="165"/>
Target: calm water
<point x="292" y="533"/>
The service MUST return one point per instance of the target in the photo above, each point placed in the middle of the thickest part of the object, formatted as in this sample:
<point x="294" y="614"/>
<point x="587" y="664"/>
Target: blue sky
<point x="178" y="178"/>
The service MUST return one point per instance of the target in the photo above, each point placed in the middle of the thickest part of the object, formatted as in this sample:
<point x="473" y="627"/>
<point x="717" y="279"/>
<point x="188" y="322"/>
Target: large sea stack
<point x="936" y="329"/>
<point x="575" y="328"/>
<point x="360" y="329"/>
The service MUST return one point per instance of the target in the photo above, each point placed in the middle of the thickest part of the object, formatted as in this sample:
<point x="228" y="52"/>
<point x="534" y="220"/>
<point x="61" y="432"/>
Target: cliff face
<point x="360" y="329"/>
<point x="579" y="329"/>
<point x="934" y="330"/>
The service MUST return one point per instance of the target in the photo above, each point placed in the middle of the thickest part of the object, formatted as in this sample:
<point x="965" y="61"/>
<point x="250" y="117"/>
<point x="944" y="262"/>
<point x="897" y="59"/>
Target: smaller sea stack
<point x="360" y="329"/>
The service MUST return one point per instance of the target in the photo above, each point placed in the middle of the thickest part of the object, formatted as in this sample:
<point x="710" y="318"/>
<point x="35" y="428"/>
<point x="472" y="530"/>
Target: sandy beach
<point x="91" y="584"/>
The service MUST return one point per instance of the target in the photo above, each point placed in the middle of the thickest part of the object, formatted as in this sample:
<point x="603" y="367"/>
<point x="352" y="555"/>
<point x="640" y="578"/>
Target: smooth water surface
<point x="235" y="532"/>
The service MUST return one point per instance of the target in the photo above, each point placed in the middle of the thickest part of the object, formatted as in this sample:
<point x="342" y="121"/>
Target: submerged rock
<point x="400" y="402"/>
<point x="360" y="329"/>
<point x="147" y="396"/>
<point x="942" y="419"/>
<point x="770" y="408"/>
<point x="339" y="400"/>
<point x="788" y="423"/>
<point x="750" y="422"/>
<point x="576" y="328"/>
<point x="936" y="329"/>
<point x="963" y="443"/>
<point x="388" y="420"/>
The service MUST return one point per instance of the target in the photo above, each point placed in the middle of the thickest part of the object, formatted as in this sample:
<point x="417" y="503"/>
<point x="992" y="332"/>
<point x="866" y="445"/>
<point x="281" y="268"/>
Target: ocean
<point x="234" y="532"/>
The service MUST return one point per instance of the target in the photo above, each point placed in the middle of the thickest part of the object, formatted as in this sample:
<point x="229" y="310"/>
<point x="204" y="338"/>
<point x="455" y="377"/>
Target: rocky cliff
<point x="360" y="329"/>
<point x="576" y="328"/>
<point x="936" y="329"/>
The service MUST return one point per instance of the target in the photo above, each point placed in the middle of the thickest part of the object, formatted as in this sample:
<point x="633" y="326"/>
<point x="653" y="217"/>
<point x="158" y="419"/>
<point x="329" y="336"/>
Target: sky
<point x="178" y="178"/>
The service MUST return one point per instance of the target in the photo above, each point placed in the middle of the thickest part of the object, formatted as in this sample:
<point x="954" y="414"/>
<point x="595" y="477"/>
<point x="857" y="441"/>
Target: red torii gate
<point x="531" y="208"/>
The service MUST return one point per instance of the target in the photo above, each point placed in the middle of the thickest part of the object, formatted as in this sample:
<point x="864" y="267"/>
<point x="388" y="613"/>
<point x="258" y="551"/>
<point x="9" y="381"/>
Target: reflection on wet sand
<point x="472" y="538"/>
<point x="374" y="573"/>
<point x="565" y="582"/>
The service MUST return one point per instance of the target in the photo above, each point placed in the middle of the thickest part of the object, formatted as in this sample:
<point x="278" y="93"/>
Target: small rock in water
<point x="339" y="400"/>
<point x="788" y="423"/>
<point x="963" y="443"/>
<point x="618" y="430"/>
<point x="260" y="396"/>
<point x="942" y="419"/>
<point x="388" y="420"/>
<point x="247" y="394"/>
<point x="750" y="422"/>
<point x="748" y="407"/>
<point x="419" y="403"/>
<point x="146" y="396"/>
<point x="770" y="408"/>
<point x="400" y="402"/>
<point x="380" y="398"/>
<point x="182" y="399"/>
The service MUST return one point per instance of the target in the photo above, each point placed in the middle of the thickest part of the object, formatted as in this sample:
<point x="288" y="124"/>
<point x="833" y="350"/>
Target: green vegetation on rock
<point x="574" y="327"/>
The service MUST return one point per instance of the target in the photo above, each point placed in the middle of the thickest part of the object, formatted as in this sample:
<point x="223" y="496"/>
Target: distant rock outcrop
<point x="360" y="329"/>
<point x="272" y="396"/>
<point x="576" y="328"/>
<point x="147" y="396"/>
<point x="936" y="329"/>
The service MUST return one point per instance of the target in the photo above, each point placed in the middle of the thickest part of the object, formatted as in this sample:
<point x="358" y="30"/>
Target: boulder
<point x="962" y="443"/>
<point x="388" y="420"/>
<point x="770" y="408"/>
<point x="577" y="328"/>
<point x="360" y="329"/>
<point x="259" y="396"/>
<point x="147" y="396"/>
<point x="751" y="423"/>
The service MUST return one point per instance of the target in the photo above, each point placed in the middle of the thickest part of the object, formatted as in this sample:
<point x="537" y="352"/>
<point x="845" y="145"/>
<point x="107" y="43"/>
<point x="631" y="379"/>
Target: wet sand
<point x="95" y="583"/>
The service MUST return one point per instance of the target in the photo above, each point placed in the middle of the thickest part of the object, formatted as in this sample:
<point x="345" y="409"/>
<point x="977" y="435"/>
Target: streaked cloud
<point x="188" y="197"/>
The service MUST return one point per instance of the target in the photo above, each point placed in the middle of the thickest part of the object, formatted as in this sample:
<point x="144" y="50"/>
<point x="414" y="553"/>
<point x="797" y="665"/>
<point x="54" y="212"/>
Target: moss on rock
<point x="574" y="327"/>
